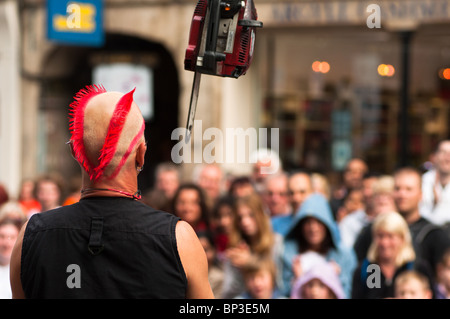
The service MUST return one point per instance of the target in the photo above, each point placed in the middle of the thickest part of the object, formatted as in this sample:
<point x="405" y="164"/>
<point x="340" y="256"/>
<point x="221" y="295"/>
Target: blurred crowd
<point x="291" y="234"/>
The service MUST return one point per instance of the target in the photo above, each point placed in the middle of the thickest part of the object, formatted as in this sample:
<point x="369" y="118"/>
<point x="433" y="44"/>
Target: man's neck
<point x="411" y="217"/>
<point x="444" y="178"/>
<point x="118" y="187"/>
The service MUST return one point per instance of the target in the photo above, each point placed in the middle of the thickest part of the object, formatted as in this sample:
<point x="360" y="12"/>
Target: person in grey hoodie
<point x="314" y="229"/>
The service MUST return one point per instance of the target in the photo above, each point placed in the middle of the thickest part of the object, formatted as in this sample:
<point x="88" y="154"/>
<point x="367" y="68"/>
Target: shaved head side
<point x="112" y="128"/>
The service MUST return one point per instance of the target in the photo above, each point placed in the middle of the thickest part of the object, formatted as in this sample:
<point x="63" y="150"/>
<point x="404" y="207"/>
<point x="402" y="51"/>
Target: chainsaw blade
<point x="193" y="105"/>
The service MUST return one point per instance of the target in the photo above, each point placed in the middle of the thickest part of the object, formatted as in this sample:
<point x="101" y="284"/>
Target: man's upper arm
<point x="15" y="266"/>
<point x="194" y="262"/>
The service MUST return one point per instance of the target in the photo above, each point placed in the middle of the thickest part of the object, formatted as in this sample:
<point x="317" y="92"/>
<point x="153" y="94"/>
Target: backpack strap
<point x="424" y="232"/>
<point x="410" y="265"/>
<point x="364" y="266"/>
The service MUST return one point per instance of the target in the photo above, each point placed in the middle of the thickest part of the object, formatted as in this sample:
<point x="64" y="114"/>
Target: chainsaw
<point x="221" y="43"/>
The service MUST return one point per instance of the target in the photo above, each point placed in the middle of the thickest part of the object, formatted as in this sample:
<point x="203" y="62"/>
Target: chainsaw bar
<point x="193" y="105"/>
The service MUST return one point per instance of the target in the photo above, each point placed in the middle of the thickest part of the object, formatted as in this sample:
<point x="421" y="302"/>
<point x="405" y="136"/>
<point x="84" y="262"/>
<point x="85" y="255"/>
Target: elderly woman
<point x="390" y="253"/>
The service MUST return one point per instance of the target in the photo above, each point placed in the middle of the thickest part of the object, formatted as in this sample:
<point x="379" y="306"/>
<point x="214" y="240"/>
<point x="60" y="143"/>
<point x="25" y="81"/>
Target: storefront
<point x="338" y="86"/>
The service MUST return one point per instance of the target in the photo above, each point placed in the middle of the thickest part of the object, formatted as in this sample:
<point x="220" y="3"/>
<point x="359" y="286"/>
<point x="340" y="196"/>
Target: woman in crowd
<point x="312" y="238"/>
<point x="189" y="204"/>
<point x="390" y="253"/>
<point x="223" y="221"/>
<point x="27" y="199"/>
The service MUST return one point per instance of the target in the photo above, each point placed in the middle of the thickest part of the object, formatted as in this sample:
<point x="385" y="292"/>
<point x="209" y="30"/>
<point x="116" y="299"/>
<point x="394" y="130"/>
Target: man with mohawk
<point x="108" y="245"/>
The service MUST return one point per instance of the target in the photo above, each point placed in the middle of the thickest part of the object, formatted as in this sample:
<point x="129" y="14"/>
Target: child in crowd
<point x="320" y="282"/>
<point x="260" y="280"/>
<point x="412" y="284"/>
<point x="443" y="277"/>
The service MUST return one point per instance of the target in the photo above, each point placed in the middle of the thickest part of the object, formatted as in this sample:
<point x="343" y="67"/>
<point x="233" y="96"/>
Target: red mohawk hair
<point x="76" y="123"/>
<point x="112" y="137"/>
<point x="115" y="128"/>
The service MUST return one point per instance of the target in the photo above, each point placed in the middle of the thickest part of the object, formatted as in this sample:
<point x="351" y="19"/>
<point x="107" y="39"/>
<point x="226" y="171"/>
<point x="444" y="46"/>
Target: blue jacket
<point x="317" y="206"/>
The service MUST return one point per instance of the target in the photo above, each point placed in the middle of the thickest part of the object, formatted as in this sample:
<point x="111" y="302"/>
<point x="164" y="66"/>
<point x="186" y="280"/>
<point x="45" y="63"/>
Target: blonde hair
<point x="410" y="275"/>
<point x="258" y="264"/>
<point x="320" y="184"/>
<point x="12" y="210"/>
<point x="394" y="223"/>
<point x="266" y="239"/>
<point x="384" y="184"/>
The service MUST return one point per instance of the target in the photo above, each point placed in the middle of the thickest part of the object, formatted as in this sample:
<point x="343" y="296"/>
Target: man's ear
<point x="140" y="154"/>
<point x="71" y="149"/>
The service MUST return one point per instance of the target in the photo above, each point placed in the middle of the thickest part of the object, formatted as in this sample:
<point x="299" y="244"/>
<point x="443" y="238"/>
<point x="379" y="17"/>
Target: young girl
<point x="251" y="237"/>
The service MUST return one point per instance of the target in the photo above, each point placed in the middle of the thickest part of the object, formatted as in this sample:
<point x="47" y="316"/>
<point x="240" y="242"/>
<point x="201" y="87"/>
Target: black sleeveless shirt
<point x="102" y="247"/>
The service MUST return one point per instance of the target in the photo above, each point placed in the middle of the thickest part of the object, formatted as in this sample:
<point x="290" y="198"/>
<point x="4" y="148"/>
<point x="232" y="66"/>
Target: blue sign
<point x="77" y="22"/>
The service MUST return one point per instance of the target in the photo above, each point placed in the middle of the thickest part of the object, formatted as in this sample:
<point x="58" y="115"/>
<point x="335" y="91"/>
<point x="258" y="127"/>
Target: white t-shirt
<point x="5" y="286"/>
<point x="351" y="225"/>
<point x="439" y="213"/>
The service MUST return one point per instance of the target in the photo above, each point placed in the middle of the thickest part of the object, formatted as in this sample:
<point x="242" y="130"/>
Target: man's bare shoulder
<point x="193" y="259"/>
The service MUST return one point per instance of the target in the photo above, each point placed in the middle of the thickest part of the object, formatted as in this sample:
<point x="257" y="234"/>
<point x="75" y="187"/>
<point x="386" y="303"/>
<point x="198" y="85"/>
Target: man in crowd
<point x="211" y="179"/>
<point x="167" y="179"/>
<point x="299" y="188"/>
<point x="275" y="195"/>
<point x="430" y="240"/>
<point x="435" y="204"/>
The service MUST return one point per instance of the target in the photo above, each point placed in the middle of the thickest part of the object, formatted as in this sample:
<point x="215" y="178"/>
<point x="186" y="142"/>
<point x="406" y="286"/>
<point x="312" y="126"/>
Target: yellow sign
<point x="80" y="18"/>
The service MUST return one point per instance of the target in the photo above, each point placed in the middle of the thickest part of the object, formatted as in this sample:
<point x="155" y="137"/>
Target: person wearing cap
<point x="108" y="245"/>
